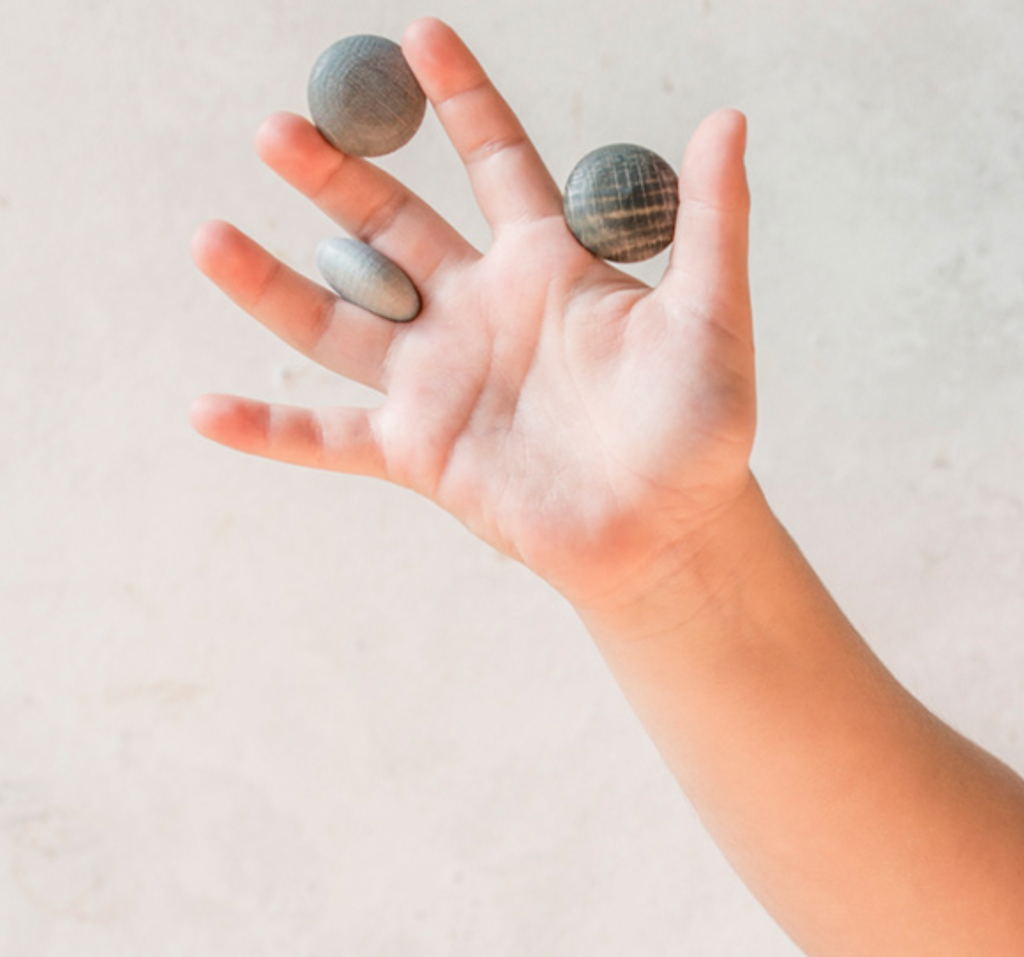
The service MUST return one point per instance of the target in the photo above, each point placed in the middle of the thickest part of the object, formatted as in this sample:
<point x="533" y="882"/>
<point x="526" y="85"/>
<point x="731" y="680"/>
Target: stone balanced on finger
<point x="364" y="98"/>
<point x="361" y="275"/>
<point x="621" y="202"/>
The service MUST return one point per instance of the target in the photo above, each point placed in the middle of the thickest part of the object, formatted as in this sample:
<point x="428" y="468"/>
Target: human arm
<point x="600" y="432"/>
<point x="863" y="823"/>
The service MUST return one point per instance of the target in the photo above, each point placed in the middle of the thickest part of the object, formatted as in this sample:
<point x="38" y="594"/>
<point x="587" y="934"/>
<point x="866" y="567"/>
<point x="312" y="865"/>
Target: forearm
<point x="864" y="824"/>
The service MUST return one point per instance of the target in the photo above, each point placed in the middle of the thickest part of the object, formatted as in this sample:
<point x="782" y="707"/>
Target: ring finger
<point x="338" y="335"/>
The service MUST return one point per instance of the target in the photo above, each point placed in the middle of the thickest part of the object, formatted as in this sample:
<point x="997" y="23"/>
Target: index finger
<point x="509" y="179"/>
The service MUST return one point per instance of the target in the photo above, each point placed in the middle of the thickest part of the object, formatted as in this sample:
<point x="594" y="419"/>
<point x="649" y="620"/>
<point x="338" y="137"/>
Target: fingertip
<point x="218" y="250"/>
<point x="280" y="136"/>
<point x="713" y="172"/>
<point x="214" y="233"/>
<point x="731" y="129"/>
<point x="207" y="412"/>
<point x="438" y="57"/>
<point x="729" y="123"/>
<point x="422" y="32"/>
<point x="229" y="420"/>
<point x="727" y="126"/>
<point x="207" y="241"/>
<point x="708" y="263"/>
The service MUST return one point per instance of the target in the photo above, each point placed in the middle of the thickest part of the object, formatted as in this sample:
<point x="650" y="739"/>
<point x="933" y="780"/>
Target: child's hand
<point x="568" y="414"/>
<point x="600" y="431"/>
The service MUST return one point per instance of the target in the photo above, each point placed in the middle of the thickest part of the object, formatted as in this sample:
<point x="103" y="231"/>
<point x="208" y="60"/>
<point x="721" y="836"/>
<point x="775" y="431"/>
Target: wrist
<point x="693" y="577"/>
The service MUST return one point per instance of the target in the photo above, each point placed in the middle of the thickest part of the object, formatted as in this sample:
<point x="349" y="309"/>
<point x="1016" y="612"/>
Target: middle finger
<point x="363" y="199"/>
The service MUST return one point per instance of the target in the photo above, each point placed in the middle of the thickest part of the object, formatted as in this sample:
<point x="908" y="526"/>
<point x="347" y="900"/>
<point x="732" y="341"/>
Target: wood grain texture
<point x="621" y="202"/>
<point x="361" y="275"/>
<point x="363" y="97"/>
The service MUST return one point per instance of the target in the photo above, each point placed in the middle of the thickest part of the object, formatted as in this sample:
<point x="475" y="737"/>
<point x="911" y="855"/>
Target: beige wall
<point x="248" y="710"/>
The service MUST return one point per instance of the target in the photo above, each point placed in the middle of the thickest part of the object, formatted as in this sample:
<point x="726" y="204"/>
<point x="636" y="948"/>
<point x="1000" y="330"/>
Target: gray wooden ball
<point x="360" y="274"/>
<point x="621" y="202"/>
<point x="363" y="96"/>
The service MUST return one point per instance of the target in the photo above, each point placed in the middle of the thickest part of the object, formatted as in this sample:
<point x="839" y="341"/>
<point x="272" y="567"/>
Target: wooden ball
<point x="621" y="202"/>
<point x="363" y="276"/>
<point x="363" y="96"/>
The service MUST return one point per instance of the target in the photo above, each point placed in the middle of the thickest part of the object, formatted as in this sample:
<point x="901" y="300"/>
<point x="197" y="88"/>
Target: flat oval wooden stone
<point x="361" y="275"/>
<point x="364" y="98"/>
<point x="621" y="202"/>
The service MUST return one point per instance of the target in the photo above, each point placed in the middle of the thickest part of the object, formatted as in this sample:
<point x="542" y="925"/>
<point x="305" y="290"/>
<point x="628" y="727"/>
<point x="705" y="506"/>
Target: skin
<point x="599" y="431"/>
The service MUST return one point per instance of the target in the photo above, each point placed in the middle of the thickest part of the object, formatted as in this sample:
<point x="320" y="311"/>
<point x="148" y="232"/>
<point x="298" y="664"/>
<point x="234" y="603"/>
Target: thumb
<point x="708" y="264"/>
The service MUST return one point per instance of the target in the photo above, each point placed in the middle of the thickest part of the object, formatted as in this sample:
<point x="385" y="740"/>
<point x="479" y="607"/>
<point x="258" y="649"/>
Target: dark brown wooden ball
<point x="364" y="98"/>
<point x="621" y="202"/>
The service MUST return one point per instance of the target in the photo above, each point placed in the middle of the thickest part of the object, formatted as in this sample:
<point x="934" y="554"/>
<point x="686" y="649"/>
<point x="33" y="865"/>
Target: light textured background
<point x="249" y="710"/>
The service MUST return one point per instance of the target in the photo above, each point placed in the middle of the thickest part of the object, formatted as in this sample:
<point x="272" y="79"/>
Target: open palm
<point x="568" y="414"/>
